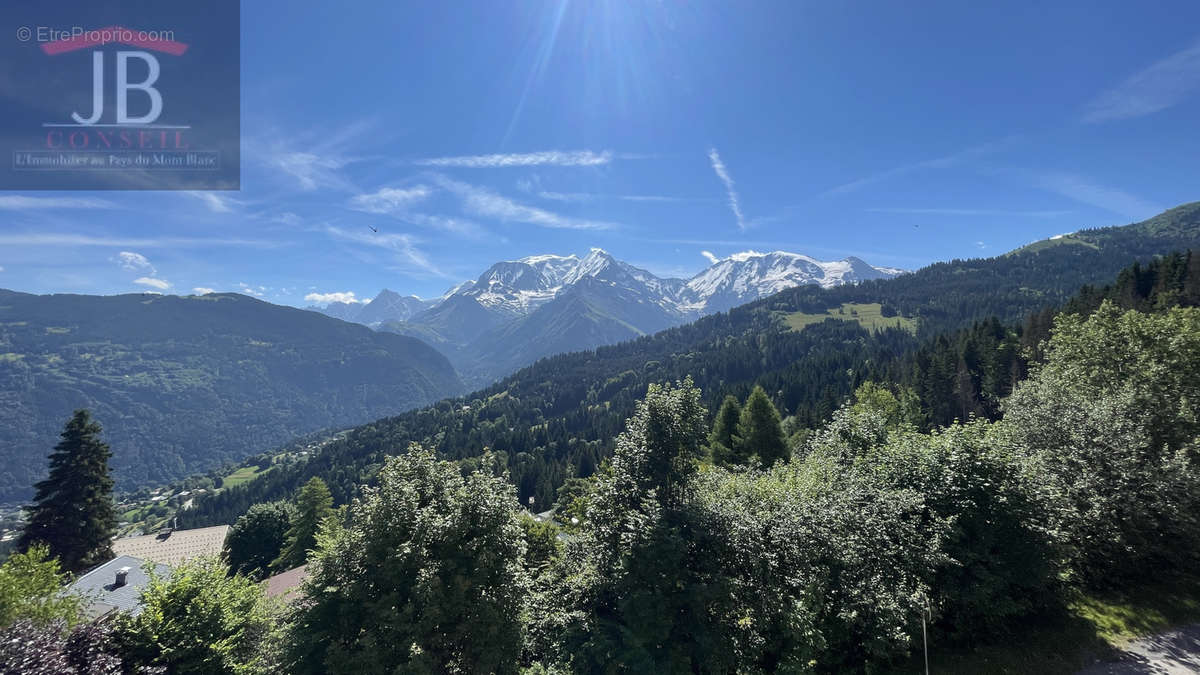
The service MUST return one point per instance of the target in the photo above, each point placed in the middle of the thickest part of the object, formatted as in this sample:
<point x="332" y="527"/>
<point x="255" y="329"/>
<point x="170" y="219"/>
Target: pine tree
<point x="73" y="510"/>
<point x="760" y="430"/>
<point x="724" y="432"/>
<point x="313" y="506"/>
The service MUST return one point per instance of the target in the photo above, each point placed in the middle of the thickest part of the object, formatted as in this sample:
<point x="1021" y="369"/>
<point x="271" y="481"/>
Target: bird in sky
<point x="376" y="231"/>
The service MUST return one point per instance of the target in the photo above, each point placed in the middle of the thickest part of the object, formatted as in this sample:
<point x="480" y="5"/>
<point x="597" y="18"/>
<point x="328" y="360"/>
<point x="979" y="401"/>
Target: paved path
<point x="1175" y="652"/>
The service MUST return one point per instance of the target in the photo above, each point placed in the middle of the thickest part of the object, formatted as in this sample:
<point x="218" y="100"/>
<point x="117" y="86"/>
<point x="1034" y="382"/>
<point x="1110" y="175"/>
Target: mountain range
<point x="521" y="310"/>
<point x="184" y="384"/>
<point x="809" y="347"/>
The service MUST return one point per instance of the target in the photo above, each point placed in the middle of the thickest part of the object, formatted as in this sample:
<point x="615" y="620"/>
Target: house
<point x="174" y="547"/>
<point x="286" y="585"/>
<point x="115" y="586"/>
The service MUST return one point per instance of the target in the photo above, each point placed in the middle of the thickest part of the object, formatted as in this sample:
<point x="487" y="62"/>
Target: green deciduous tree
<point x="541" y="543"/>
<point x="998" y="561"/>
<point x="73" y="510"/>
<point x="1113" y="421"/>
<point x="760" y="431"/>
<point x="808" y="567"/>
<point x="258" y="537"/>
<point x="824" y="567"/>
<point x="201" y="621"/>
<point x="634" y="590"/>
<point x="427" y="577"/>
<point x="31" y="590"/>
<point x="313" y="505"/>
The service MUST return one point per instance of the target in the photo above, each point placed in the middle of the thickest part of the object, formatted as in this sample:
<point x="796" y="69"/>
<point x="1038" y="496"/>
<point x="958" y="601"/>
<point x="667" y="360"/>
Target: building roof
<point x="174" y="547"/>
<point x="286" y="584"/>
<point x="99" y="585"/>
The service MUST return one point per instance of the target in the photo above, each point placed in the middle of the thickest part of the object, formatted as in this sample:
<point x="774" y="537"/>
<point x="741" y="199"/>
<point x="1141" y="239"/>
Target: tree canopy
<point x="313" y="505"/>
<point x="428" y="576"/>
<point x="258" y="538"/>
<point x="73" y="512"/>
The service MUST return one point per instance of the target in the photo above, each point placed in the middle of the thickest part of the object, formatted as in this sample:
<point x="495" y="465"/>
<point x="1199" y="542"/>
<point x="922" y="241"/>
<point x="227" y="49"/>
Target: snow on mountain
<point x="520" y="310"/>
<point x="516" y="288"/>
<point x="747" y="276"/>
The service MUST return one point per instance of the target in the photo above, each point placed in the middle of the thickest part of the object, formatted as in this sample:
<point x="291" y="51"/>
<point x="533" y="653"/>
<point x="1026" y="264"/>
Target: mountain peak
<point x="544" y="258"/>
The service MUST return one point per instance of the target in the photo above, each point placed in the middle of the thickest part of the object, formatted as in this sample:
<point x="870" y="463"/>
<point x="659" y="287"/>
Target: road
<point x="1175" y="652"/>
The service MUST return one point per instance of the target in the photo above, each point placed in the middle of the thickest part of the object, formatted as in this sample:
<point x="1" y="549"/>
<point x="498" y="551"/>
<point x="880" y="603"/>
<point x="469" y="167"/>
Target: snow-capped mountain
<point x="520" y="310"/>
<point x="743" y="277"/>
<point x="519" y="287"/>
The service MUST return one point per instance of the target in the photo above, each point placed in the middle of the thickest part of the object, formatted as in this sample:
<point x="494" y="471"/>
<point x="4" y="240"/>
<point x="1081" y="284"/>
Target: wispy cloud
<point x="23" y="203"/>
<point x="656" y="198"/>
<point x="549" y="158"/>
<point x="203" y="290"/>
<point x="160" y="284"/>
<point x="390" y="200"/>
<point x="943" y="162"/>
<point x="711" y="258"/>
<point x="594" y="196"/>
<point x="314" y="159"/>
<point x="723" y="173"/>
<point x="326" y="298"/>
<point x="568" y="196"/>
<point x="1110" y="199"/>
<point x="404" y="246"/>
<point x="285" y="218"/>
<point x="311" y="170"/>
<point x="487" y="204"/>
<point x="215" y="202"/>
<point x="970" y="212"/>
<point x="460" y="226"/>
<point x="395" y="202"/>
<point x="246" y="288"/>
<point x="1150" y="90"/>
<point x="134" y="262"/>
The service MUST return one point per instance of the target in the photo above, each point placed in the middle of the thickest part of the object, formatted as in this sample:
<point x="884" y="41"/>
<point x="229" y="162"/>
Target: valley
<point x="603" y="337"/>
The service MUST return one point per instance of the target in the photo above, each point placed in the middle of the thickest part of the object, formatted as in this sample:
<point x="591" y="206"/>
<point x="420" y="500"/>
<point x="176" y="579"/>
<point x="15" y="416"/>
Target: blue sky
<point x="663" y="132"/>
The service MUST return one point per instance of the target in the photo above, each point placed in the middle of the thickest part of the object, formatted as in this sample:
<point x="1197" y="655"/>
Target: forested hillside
<point x="558" y="418"/>
<point x="183" y="384"/>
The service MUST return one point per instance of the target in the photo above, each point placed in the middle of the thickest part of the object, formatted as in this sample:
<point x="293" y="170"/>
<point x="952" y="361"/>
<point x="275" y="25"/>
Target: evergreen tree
<point x="313" y="506"/>
<point x="724" y="432"/>
<point x="760" y="430"/>
<point x="73" y="510"/>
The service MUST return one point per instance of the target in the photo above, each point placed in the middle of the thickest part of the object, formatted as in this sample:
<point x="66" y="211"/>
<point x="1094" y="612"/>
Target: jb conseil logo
<point x="127" y="130"/>
<point x="146" y="105"/>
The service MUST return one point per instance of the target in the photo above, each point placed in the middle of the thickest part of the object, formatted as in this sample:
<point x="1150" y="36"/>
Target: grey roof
<point x="174" y="547"/>
<point x="100" y="585"/>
